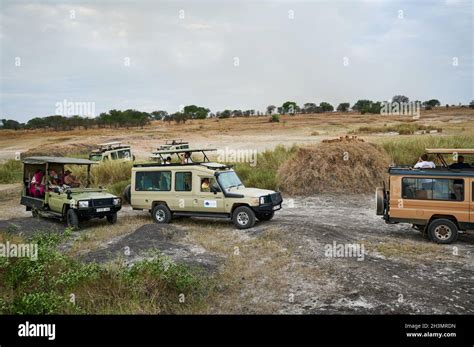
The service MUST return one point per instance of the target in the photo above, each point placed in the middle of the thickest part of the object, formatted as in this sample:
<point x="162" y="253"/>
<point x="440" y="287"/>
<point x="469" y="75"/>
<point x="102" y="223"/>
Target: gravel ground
<point x="397" y="272"/>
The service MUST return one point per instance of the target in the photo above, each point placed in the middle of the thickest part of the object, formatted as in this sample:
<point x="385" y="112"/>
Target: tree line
<point x="134" y="118"/>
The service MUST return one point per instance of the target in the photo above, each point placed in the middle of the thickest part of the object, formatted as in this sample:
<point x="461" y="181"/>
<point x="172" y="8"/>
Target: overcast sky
<point x="230" y="54"/>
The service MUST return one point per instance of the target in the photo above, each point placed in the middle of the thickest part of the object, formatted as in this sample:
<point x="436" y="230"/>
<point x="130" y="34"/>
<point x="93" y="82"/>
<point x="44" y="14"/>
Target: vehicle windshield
<point x="229" y="179"/>
<point x="95" y="157"/>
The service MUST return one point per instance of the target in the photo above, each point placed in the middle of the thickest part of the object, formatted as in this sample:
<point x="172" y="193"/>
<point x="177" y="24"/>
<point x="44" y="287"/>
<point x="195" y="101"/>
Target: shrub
<point x="275" y="118"/>
<point x="11" y="172"/>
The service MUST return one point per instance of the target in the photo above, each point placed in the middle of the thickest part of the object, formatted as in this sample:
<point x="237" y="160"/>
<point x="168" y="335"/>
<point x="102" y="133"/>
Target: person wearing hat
<point x="70" y="180"/>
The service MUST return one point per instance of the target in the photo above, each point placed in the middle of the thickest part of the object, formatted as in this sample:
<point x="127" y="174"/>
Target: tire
<point x="112" y="218"/>
<point x="72" y="219"/>
<point x="34" y="213"/>
<point x="443" y="231"/>
<point x="161" y="214"/>
<point x="127" y="194"/>
<point x="243" y="217"/>
<point x="263" y="217"/>
<point x="379" y="201"/>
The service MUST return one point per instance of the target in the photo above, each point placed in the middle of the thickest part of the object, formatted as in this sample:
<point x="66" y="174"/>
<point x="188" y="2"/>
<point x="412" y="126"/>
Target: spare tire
<point x="127" y="194"/>
<point x="379" y="201"/>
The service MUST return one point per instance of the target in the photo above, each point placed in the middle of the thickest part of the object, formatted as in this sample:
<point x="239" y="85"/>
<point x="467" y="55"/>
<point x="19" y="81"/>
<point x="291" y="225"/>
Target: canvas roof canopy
<point x="57" y="160"/>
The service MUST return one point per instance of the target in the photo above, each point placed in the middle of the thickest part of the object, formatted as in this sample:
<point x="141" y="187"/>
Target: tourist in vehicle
<point x="70" y="179"/>
<point x="460" y="164"/>
<point x="53" y="178"/>
<point x="37" y="184"/>
<point x="167" y="161"/>
<point x="205" y="185"/>
<point x="423" y="163"/>
<point x="187" y="158"/>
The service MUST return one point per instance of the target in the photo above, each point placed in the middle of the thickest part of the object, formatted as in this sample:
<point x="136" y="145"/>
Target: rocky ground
<point x="287" y="265"/>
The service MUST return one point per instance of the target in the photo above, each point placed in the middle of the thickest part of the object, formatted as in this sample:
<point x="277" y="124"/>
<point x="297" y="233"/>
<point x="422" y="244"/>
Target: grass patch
<point x="406" y="151"/>
<point x="264" y="173"/>
<point x="111" y="173"/>
<point x="59" y="284"/>
<point x="402" y="129"/>
<point x="11" y="172"/>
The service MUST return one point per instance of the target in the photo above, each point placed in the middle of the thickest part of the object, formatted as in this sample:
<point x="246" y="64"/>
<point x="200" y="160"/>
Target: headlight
<point x="83" y="204"/>
<point x="262" y="200"/>
<point x="116" y="201"/>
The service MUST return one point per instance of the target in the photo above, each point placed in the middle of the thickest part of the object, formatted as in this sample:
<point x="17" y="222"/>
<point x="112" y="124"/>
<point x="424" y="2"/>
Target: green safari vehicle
<point x="50" y="190"/>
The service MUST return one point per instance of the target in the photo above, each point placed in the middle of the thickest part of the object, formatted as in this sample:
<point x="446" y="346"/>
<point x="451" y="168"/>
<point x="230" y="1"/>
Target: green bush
<point x="406" y="151"/>
<point x="275" y="118"/>
<point x="264" y="174"/>
<point x="11" y="172"/>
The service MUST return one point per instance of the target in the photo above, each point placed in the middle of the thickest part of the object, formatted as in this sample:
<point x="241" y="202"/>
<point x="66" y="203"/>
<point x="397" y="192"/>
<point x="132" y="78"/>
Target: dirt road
<point x="292" y="264"/>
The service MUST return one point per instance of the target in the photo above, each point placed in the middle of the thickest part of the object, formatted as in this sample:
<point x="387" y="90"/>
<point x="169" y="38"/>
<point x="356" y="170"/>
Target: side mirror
<point x="56" y="190"/>
<point x="214" y="189"/>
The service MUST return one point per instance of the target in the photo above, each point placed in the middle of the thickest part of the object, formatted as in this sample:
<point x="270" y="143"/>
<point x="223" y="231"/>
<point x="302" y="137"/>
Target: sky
<point x="162" y="55"/>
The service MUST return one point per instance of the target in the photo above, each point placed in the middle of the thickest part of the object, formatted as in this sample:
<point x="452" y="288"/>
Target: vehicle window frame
<point x="176" y="181"/>
<point x="433" y="178"/>
<point x="153" y="190"/>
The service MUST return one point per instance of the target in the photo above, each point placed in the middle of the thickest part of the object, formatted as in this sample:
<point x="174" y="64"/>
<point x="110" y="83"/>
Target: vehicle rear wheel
<point x="379" y="201"/>
<point x="72" y="219"/>
<point x="265" y="216"/>
<point x="443" y="231"/>
<point x="243" y="217"/>
<point x="112" y="218"/>
<point x="161" y="214"/>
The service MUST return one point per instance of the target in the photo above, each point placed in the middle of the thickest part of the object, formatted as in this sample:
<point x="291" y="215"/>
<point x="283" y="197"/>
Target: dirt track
<point x="399" y="272"/>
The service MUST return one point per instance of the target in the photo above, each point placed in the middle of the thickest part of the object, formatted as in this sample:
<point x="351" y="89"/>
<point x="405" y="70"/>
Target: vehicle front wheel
<point x="263" y="217"/>
<point x="443" y="231"/>
<point x="112" y="218"/>
<point x="161" y="214"/>
<point x="243" y="217"/>
<point x="72" y="219"/>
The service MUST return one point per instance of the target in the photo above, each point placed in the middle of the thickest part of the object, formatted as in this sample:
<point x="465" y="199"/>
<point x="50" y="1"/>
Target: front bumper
<point x="97" y="212"/>
<point x="273" y="203"/>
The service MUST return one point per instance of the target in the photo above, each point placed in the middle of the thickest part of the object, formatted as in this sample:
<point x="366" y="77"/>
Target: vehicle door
<point x="183" y="192"/>
<point x="151" y="186"/>
<point x="209" y="197"/>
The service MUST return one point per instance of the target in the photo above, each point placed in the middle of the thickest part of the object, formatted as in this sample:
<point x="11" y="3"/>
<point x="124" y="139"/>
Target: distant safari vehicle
<point x="437" y="201"/>
<point x="171" y="145"/>
<point x="198" y="189"/>
<point x="112" y="151"/>
<point x="50" y="190"/>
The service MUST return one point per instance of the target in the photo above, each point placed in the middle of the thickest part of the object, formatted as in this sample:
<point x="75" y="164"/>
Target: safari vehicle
<point x="170" y="145"/>
<point x="198" y="189"/>
<point x="439" y="201"/>
<point x="48" y="196"/>
<point x="112" y="151"/>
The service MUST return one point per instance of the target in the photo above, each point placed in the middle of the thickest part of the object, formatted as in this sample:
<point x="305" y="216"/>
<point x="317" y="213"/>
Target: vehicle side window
<point x="183" y="181"/>
<point x="433" y="189"/>
<point x="153" y="181"/>
<point x="124" y="154"/>
<point x="114" y="155"/>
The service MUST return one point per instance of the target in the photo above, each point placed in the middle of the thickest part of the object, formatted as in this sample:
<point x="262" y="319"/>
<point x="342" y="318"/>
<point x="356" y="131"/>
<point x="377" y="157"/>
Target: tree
<point x="270" y="109"/>
<point x="326" y="107"/>
<point x="343" y="107"/>
<point x="179" y="117"/>
<point x="196" y="112"/>
<point x="432" y="103"/>
<point x="400" y="99"/>
<point x="361" y="104"/>
<point x="159" y="115"/>
<point x="289" y="107"/>
<point x="224" y="114"/>
<point x="237" y="113"/>
<point x="471" y="104"/>
<point x="311" y="107"/>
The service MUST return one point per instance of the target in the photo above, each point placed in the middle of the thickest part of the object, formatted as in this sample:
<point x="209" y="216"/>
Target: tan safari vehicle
<point x="198" y="189"/>
<point x="170" y="145"/>
<point x="112" y="151"/>
<point x="438" y="201"/>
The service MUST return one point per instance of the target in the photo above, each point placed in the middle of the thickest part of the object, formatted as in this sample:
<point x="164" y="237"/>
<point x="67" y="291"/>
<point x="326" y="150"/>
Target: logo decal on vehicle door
<point x="210" y="203"/>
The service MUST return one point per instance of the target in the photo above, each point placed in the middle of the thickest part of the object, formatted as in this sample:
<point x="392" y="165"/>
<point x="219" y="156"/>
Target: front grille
<point x="276" y="198"/>
<point x="102" y="202"/>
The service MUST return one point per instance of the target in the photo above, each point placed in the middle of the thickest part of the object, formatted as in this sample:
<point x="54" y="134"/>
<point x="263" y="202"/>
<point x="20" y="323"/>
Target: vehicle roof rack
<point x="160" y="154"/>
<point x="440" y="151"/>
